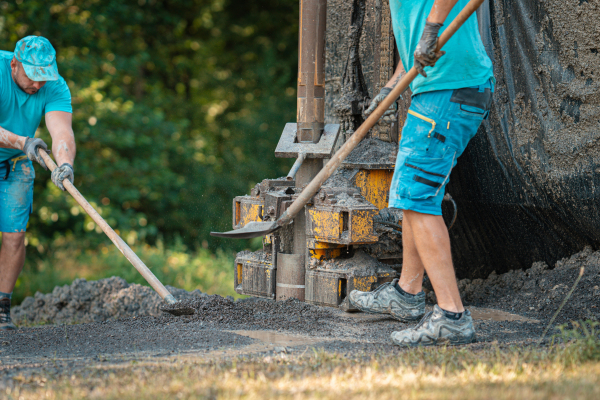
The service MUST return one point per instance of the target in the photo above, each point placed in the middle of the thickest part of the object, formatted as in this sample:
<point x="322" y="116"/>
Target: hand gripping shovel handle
<point x="116" y="239"/>
<point x="312" y="188"/>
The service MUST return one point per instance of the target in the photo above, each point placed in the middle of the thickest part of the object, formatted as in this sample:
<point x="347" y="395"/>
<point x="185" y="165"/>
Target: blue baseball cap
<point x="38" y="58"/>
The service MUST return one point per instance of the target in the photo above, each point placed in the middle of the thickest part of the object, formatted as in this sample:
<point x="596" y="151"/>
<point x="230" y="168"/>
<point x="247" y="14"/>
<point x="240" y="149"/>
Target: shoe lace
<point x="425" y="318"/>
<point x="4" y="312"/>
<point x="380" y="288"/>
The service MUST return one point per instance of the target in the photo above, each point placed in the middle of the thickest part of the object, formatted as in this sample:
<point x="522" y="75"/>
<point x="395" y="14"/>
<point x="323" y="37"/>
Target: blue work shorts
<point x="437" y="130"/>
<point x="16" y="194"/>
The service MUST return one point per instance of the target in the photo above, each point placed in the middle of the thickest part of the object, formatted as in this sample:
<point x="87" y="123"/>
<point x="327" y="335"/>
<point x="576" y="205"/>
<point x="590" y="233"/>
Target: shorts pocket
<point x="424" y="177"/>
<point x="420" y="134"/>
<point x="472" y="103"/>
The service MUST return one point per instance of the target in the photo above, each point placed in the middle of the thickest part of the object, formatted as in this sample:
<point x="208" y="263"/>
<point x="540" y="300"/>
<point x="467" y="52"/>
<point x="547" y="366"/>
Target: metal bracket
<point x="288" y="146"/>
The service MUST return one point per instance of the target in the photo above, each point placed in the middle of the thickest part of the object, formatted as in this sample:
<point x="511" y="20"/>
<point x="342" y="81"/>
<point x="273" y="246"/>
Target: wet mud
<point x="537" y="292"/>
<point x="371" y="151"/>
<point x="96" y="301"/>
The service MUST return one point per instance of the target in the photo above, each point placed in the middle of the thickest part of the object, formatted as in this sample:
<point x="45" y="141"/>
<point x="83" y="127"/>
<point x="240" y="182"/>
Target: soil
<point x="123" y="321"/>
<point x="97" y="301"/>
<point x="341" y="178"/>
<point x="539" y="291"/>
<point x="370" y="151"/>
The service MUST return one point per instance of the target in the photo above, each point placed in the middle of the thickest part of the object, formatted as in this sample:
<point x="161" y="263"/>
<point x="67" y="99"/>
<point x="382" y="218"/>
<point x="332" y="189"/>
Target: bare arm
<point x="396" y="77"/>
<point x="440" y="10"/>
<point x="9" y="140"/>
<point x="63" y="139"/>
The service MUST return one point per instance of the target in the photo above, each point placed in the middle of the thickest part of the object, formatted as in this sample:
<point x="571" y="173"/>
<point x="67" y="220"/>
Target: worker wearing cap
<point x="30" y="87"/>
<point x="451" y="97"/>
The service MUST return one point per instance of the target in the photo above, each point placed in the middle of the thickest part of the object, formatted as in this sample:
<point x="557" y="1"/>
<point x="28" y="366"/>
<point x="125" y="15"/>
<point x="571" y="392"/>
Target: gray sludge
<point x="538" y="291"/>
<point x="96" y="301"/>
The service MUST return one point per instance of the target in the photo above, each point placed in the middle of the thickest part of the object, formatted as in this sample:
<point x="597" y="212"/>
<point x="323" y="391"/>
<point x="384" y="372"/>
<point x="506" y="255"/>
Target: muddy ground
<point x="512" y="308"/>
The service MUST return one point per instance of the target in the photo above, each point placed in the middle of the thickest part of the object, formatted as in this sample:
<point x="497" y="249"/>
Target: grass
<point x="568" y="369"/>
<point x="176" y="266"/>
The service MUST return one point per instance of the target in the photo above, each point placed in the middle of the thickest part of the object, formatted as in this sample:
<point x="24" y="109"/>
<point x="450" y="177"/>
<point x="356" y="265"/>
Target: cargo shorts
<point x="438" y="127"/>
<point x="16" y="194"/>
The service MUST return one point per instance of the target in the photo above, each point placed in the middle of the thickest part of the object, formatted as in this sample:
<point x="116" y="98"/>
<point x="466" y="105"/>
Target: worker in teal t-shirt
<point x="30" y="87"/>
<point x="451" y="97"/>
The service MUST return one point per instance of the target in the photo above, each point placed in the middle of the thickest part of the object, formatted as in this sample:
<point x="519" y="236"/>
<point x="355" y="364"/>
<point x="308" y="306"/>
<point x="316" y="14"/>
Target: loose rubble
<point x="96" y="301"/>
<point x="535" y="293"/>
<point x="538" y="291"/>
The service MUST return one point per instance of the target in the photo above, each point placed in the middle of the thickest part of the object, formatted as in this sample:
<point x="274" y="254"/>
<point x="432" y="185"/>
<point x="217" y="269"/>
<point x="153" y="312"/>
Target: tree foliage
<point x="178" y="106"/>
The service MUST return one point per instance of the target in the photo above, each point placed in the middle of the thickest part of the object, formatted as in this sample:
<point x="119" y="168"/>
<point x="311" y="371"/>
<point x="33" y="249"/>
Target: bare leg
<point x="433" y="245"/>
<point x="12" y="258"/>
<point x="411" y="278"/>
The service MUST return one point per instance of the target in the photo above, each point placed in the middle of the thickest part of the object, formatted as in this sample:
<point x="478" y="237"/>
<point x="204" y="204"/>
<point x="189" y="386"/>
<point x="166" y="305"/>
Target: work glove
<point x="389" y="116"/>
<point x="425" y="55"/>
<point x="61" y="173"/>
<point x="31" y="147"/>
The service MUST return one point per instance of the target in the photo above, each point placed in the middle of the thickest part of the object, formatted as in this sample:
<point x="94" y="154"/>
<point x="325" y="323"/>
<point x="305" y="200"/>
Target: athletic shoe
<point x="435" y="328"/>
<point x="5" y="321"/>
<point x="387" y="300"/>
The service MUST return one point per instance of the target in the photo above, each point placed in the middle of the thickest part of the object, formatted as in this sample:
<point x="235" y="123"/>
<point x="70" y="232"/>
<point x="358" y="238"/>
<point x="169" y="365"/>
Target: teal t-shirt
<point x="20" y="112"/>
<point x="465" y="62"/>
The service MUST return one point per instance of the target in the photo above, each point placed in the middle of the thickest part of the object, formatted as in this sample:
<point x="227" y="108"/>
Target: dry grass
<point x="561" y="371"/>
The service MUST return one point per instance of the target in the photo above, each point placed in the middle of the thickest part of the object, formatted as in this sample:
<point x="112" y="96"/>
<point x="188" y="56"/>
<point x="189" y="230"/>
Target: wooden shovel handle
<point x="116" y="239"/>
<point x="313" y="187"/>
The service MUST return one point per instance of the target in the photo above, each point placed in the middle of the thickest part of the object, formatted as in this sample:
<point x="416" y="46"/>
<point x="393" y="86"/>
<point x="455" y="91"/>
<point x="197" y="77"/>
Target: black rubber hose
<point x="455" y="213"/>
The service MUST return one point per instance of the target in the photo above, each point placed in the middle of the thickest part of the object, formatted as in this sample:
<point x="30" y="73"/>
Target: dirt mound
<point x="253" y="313"/>
<point x="538" y="291"/>
<point x="369" y="151"/>
<point x="95" y="301"/>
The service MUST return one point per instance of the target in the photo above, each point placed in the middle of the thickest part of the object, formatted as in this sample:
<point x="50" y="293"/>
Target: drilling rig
<point x="346" y="238"/>
<point x="526" y="186"/>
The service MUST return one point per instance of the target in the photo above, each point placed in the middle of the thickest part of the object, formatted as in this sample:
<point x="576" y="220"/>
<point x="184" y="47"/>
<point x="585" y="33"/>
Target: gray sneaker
<point x="435" y="328"/>
<point x="5" y="320"/>
<point x="387" y="300"/>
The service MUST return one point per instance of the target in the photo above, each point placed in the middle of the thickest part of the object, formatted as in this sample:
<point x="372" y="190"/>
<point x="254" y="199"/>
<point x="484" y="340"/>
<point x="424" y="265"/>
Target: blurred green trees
<point x="178" y="106"/>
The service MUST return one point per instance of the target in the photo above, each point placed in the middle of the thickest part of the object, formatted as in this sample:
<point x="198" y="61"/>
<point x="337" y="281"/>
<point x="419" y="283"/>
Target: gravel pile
<point x="254" y="313"/>
<point x="535" y="293"/>
<point x="538" y="291"/>
<point x="83" y="301"/>
<point x="370" y="150"/>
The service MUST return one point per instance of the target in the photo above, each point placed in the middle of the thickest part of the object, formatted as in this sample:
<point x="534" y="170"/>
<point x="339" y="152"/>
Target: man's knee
<point x="13" y="240"/>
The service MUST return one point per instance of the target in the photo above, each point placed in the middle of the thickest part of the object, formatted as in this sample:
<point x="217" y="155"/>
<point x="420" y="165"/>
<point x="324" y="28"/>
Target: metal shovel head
<point x="251" y="230"/>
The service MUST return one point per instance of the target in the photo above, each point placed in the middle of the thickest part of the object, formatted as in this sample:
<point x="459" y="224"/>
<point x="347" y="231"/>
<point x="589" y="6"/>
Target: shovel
<point x="173" y="306"/>
<point x="257" y="229"/>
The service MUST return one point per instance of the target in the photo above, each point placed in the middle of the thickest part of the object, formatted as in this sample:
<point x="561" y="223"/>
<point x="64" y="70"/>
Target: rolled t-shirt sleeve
<point x="58" y="97"/>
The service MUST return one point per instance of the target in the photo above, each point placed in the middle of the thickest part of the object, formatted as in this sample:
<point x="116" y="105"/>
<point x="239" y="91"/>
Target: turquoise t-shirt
<point x="465" y="62"/>
<point x="20" y="112"/>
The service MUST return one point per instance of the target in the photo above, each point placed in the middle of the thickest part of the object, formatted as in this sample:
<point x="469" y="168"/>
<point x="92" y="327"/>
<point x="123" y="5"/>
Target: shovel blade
<point x="251" y="230"/>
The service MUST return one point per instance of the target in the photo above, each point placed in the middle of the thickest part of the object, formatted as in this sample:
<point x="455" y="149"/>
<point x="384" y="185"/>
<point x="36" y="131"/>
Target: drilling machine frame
<point x="343" y="240"/>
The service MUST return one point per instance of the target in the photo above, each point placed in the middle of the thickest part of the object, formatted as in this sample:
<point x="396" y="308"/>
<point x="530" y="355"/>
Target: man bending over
<point x="29" y="88"/>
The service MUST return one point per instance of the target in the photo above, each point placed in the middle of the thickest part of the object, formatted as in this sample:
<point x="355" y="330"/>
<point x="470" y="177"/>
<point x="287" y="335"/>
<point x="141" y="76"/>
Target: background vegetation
<point x="178" y="106"/>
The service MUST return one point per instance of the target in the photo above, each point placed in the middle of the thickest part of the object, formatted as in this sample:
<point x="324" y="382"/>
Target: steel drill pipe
<point x="311" y="70"/>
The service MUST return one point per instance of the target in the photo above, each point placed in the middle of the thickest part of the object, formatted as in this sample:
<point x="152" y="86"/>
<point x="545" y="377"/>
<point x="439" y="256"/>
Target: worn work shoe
<point x="387" y="300"/>
<point x="435" y="328"/>
<point x="5" y="321"/>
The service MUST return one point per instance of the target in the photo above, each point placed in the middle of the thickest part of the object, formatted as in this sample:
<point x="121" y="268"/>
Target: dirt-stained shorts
<point x="437" y="130"/>
<point x="16" y="195"/>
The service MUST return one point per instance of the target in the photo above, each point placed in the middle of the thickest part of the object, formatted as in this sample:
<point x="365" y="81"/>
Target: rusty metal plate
<point x="288" y="147"/>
